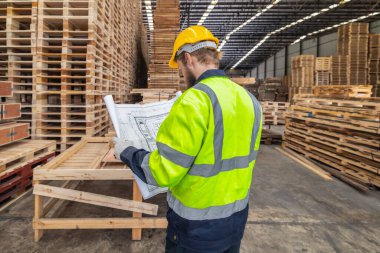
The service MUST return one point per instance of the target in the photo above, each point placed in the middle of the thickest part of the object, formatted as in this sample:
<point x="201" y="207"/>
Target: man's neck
<point x="203" y="68"/>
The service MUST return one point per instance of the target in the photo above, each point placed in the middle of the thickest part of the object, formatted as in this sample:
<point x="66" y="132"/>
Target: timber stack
<point x="302" y="75"/>
<point x="63" y="57"/>
<point x="374" y="63"/>
<point x="166" y="20"/>
<point x="343" y="133"/>
<point x="18" y="157"/>
<point x="353" y="43"/>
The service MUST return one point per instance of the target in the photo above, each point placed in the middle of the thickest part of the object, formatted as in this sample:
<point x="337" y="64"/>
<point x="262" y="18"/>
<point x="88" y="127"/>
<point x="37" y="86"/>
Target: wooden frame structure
<point x="90" y="159"/>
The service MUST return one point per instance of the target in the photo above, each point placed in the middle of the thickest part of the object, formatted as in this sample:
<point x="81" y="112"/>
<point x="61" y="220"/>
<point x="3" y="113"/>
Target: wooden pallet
<point x="268" y="137"/>
<point x="322" y="78"/>
<point x="343" y="91"/>
<point x="244" y="81"/>
<point x="323" y="63"/>
<point x="90" y="159"/>
<point x="14" y="182"/>
<point x="21" y="153"/>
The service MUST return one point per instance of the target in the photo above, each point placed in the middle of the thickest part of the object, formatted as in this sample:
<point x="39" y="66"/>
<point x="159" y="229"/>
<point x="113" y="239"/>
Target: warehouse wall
<point x="325" y="45"/>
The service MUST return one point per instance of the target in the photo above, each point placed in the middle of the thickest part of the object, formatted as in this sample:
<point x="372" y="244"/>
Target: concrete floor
<point x="291" y="210"/>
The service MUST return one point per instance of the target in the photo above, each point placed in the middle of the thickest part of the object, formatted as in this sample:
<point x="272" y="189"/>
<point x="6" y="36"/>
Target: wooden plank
<point x="94" y="199"/>
<point x="305" y="164"/>
<point x="99" y="223"/>
<point x="137" y="196"/>
<point x="82" y="174"/>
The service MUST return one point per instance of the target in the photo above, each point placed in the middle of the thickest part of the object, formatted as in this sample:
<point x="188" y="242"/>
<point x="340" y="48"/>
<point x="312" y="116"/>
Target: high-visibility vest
<point x="207" y="148"/>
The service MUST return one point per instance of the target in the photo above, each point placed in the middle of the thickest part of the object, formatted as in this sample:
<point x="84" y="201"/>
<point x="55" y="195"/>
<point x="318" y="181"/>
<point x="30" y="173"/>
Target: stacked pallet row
<point x="339" y="67"/>
<point x="302" y="75"/>
<point x="18" y="21"/>
<point x="322" y="71"/>
<point x="374" y="63"/>
<point x="62" y="67"/>
<point x="353" y="43"/>
<point x="341" y="133"/>
<point x="17" y="158"/>
<point x="166" y="20"/>
<point x="274" y="112"/>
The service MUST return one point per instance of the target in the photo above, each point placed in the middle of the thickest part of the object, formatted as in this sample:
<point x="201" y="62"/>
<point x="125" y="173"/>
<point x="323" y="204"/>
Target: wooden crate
<point x="90" y="159"/>
<point x="10" y="111"/>
<point x="6" y="89"/>
<point x="11" y="132"/>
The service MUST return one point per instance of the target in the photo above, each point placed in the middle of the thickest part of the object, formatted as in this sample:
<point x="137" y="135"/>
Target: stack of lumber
<point x="341" y="133"/>
<point x="10" y="131"/>
<point x="339" y="66"/>
<point x="274" y="112"/>
<point x="353" y="43"/>
<point x="302" y="75"/>
<point x="322" y="70"/>
<point x="374" y="63"/>
<point x="155" y="95"/>
<point x="272" y="89"/>
<point x="343" y="91"/>
<point x="64" y="56"/>
<point x="166" y="21"/>
<point x="18" y="25"/>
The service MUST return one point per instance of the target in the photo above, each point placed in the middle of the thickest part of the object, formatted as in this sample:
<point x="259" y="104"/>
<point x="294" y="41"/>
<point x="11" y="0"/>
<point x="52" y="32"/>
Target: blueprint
<point x="139" y="124"/>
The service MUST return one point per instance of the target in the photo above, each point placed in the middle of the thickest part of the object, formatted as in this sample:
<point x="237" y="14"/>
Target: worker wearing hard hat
<point x="206" y="151"/>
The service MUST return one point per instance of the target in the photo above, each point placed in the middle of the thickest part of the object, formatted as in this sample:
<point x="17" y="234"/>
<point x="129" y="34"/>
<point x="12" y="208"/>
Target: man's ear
<point x="188" y="60"/>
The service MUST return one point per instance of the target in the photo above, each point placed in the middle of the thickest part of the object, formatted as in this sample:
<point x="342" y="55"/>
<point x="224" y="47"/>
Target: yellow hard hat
<point x="190" y="40"/>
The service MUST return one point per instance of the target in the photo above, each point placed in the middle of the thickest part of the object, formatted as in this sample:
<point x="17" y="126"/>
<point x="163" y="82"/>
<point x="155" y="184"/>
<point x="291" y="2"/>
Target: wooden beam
<point x="83" y="174"/>
<point x="99" y="223"/>
<point x="137" y="232"/>
<point x="305" y="163"/>
<point x="94" y="199"/>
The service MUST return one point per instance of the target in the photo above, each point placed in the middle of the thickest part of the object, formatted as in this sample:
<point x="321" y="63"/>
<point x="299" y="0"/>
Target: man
<point x="207" y="148"/>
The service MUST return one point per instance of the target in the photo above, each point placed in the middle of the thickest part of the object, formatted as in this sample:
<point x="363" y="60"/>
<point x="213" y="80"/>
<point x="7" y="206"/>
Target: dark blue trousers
<point x="172" y="247"/>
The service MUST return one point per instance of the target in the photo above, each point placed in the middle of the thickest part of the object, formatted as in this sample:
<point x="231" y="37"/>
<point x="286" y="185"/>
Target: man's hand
<point x="120" y="146"/>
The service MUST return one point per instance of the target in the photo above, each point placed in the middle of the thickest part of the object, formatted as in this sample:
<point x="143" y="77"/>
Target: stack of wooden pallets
<point x="322" y="71"/>
<point x="18" y="157"/>
<point x="18" y="24"/>
<point x="374" y="63"/>
<point x="353" y="43"/>
<point x="63" y="56"/>
<point x="274" y="112"/>
<point x="302" y="75"/>
<point x="166" y="20"/>
<point x="341" y="133"/>
<point x="339" y="66"/>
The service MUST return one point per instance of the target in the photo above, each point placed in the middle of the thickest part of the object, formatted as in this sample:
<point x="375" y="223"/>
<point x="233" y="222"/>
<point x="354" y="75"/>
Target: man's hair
<point x="205" y="55"/>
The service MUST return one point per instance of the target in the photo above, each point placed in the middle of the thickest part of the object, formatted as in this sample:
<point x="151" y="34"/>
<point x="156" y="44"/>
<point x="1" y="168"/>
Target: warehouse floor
<point x="291" y="210"/>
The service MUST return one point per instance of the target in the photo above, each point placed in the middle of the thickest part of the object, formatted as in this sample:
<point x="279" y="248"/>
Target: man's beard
<point x="190" y="79"/>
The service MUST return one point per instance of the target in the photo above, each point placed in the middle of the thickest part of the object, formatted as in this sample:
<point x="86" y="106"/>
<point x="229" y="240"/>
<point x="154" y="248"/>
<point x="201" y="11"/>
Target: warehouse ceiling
<point x="253" y="30"/>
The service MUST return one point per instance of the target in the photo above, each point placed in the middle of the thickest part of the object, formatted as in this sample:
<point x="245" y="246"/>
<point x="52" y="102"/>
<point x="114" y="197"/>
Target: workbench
<point x="90" y="159"/>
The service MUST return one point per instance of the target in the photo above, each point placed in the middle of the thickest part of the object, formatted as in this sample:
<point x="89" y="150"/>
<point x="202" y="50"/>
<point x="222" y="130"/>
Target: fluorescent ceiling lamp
<point x="208" y="11"/>
<point x="336" y="25"/>
<point x="269" y="6"/>
<point x="331" y="7"/>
